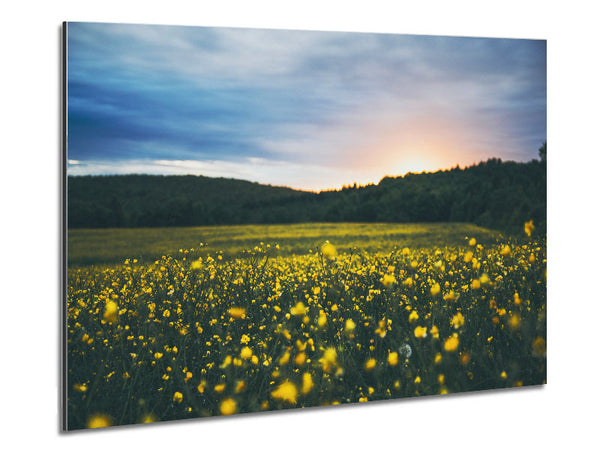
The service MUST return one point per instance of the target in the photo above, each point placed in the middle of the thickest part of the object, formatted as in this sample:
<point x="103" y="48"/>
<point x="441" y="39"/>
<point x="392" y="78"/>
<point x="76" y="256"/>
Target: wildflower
<point x="529" y="227"/>
<point x="110" y="312"/>
<point x="420" y="332"/>
<point x="475" y="284"/>
<point x="177" y="397"/>
<point x="246" y="353"/>
<point x="370" y="364"/>
<point x="328" y="250"/>
<point x="286" y="391"/>
<point x="515" y="321"/>
<point x="307" y="382"/>
<point x="284" y="359"/>
<point x="472" y="242"/>
<point x="350" y="326"/>
<point x="405" y="351"/>
<point x="228" y="407"/>
<point x="435" y="332"/>
<point x="240" y="386"/>
<point x="413" y="317"/>
<point x="329" y="359"/>
<point x="300" y="359"/>
<point x="457" y="321"/>
<point x="99" y="421"/>
<point x="468" y="257"/>
<point x="322" y="320"/>
<point x="451" y="344"/>
<point x="148" y="418"/>
<point x="405" y="251"/>
<point x="393" y="359"/>
<point x="196" y="265"/>
<point x="299" y="309"/>
<point x="388" y="280"/>
<point x="237" y="313"/>
<point x="505" y="251"/>
<point x="450" y="296"/>
<point x="435" y="289"/>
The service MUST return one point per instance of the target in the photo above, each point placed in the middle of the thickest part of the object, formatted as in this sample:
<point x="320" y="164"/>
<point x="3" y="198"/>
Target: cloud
<point x="337" y="101"/>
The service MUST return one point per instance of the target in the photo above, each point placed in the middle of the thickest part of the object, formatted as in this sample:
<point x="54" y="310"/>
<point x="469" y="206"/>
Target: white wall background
<point x="562" y="413"/>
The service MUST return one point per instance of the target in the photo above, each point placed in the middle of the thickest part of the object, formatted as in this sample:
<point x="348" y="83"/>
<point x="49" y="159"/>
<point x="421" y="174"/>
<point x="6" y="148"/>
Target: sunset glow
<point x="309" y="110"/>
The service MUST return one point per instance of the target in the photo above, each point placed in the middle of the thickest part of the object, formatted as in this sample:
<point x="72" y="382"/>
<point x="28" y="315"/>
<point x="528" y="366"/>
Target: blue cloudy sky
<point x="310" y="110"/>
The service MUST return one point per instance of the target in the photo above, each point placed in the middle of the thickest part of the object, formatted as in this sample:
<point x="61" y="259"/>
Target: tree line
<point x="494" y="193"/>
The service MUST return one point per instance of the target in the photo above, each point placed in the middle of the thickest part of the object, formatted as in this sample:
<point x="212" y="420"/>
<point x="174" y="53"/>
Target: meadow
<point x="177" y="323"/>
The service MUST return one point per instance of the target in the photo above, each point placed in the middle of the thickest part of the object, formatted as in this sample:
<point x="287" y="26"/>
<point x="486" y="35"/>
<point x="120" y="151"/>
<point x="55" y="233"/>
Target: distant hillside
<point x="494" y="194"/>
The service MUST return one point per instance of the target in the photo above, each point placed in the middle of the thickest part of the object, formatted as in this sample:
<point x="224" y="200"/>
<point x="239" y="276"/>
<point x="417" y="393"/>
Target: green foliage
<point x="494" y="194"/>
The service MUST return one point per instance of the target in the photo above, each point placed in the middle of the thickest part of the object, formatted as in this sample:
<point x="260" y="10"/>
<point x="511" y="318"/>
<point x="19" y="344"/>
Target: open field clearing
<point x="273" y="317"/>
<point x="114" y="245"/>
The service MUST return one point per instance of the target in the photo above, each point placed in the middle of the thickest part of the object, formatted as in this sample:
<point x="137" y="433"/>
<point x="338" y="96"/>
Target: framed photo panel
<point x="261" y="219"/>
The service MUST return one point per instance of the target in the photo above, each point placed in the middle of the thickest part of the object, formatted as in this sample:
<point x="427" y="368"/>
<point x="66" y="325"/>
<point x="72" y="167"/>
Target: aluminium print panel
<point x="263" y="219"/>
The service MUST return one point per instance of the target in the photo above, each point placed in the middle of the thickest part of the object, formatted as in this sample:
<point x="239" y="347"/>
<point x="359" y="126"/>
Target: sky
<point x="311" y="110"/>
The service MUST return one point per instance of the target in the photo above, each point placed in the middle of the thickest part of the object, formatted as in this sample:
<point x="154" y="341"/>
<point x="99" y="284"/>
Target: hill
<point x="494" y="194"/>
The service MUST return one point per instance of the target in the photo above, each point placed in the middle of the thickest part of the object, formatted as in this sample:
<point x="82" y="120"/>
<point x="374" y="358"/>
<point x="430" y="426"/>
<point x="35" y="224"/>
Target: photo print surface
<point x="263" y="219"/>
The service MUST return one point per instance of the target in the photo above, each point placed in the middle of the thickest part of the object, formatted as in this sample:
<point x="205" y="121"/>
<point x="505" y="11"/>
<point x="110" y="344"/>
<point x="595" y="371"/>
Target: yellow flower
<point x="196" y="265"/>
<point x="99" y="421"/>
<point x="514" y="321"/>
<point x="219" y="388"/>
<point x="413" y="317"/>
<point x="299" y="309"/>
<point x="505" y="251"/>
<point x="393" y="359"/>
<point x="148" y="418"/>
<point x="237" y="313"/>
<point x="435" y="289"/>
<point x="300" y="359"/>
<point x="328" y="250"/>
<point x="177" y="397"/>
<point x="388" y="280"/>
<point x="475" y="284"/>
<point x="420" y="332"/>
<point x="284" y="359"/>
<point x="322" y="320"/>
<point x="516" y="299"/>
<point x="450" y="296"/>
<point x="286" y="391"/>
<point x="246" y="353"/>
<point x="457" y="321"/>
<point x="472" y="242"/>
<point x="240" y="386"/>
<point x="110" y="312"/>
<point x="435" y="332"/>
<point x="350" y="326"/>
<point x="529" y="227"/>
<point x="307" y="382"/>
<point x="370" y="364"/>
<point x="451" y="344"/>
<point x="468" y="257"/>
<point x="329" y="359"/>
<point x="228" y="407"/>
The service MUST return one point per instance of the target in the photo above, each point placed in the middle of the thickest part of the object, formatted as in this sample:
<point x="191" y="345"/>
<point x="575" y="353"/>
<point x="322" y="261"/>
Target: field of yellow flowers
<point x="195" y="334"/>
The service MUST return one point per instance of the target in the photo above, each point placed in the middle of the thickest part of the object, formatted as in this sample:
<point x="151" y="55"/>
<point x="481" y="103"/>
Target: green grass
<point x="114" y="245"/>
